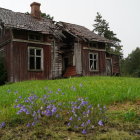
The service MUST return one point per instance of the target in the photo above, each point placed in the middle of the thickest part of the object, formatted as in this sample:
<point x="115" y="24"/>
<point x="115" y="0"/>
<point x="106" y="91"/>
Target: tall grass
<point x="98" y="90"/>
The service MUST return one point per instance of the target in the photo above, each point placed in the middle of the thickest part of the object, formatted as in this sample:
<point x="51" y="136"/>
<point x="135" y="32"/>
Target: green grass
<point x="99" y="90"/>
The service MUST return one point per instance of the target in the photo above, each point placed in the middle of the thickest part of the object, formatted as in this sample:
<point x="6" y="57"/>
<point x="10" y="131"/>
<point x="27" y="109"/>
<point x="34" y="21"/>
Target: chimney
<point x="35" y="10"/>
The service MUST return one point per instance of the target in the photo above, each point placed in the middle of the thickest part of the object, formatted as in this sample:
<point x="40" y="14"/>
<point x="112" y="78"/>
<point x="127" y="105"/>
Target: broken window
<point x="35" y="58"/>
<point x="93" y="61"/>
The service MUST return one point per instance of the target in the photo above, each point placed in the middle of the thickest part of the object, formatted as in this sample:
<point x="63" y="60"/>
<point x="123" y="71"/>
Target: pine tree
<point x="101" y="27"/>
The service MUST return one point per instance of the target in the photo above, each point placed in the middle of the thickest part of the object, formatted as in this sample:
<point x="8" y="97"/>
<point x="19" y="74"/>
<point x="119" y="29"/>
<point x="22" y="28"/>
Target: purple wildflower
<point x="84" y="131"/>
<point x="84" y="103"/>
<point x="20" y="111"/>
<point x="90" y="106"/>
<point x="79" y="118"/>
<point x="83" y="124"/>
<point x="16" y="100"/>
<point x="26" y="101"/>
<point x="27" y="112"/>
<point x="69" y="124"/>
<point x="100" y="123"/>
<point x="59" y="89"/>
<point x="70" y="119"/>
<point x="88" y="122"/>
<point x="16" y="92"/>
<point x="48" y="113"/>
<point x="54" y="109"/>
<point x="34" y="114"/>
<point x="19" y="105"/>
<point x="2" y="124"/>
<point x="88" y="111"/>
<point x="33" y="123"/>
<point x="76" y="127"/>
<point x="28" y="125"/>
<point x="20" y="97"/>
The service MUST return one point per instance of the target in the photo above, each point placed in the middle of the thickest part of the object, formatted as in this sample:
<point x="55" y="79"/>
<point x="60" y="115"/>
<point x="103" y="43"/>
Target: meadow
<point x="115" y="110"/>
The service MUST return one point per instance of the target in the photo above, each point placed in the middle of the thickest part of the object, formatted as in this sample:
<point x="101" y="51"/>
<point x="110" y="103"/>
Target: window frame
<point x="97" y="61"/>
<point x="35" y="56"/>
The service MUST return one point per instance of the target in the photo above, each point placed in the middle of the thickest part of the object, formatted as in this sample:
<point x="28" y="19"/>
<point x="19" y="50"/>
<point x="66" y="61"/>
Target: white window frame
<point x="97" y="62"/>
<point x="35" y="56"/>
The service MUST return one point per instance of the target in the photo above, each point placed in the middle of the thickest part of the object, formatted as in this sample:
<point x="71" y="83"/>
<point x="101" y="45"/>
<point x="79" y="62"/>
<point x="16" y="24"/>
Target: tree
<point x="131" y="64"/>
<point x="101" y="27"/>
<point x="47" y="16"/>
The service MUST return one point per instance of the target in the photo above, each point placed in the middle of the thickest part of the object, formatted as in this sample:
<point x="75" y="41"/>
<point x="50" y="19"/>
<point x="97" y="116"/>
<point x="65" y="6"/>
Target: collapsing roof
<point x="83" y="33"/>
<point x="24" y="21"/>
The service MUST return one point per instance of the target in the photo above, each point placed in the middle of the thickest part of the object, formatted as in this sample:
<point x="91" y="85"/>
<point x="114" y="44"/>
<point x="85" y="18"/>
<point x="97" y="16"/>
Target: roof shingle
<point x="24" y="21"/>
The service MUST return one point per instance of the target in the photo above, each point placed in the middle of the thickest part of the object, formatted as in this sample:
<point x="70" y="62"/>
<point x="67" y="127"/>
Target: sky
<point x="123" y="15"/>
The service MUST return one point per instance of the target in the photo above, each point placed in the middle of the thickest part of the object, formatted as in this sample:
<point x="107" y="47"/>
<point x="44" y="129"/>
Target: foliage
<point x="3" y="75"/>
<point x="101" y="27"/>
<point x="131" y="64"/>
<point x="47" y="16"/>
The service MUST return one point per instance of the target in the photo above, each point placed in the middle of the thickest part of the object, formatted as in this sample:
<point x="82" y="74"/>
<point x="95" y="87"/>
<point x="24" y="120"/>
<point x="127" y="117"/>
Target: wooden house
<point x="34" y="47"/>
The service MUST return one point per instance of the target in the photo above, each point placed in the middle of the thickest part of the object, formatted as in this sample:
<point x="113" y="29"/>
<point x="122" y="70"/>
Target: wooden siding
<point x="56" y="60"/>
<point x="101" y="61"/>
<point x="5" y="44"/>
<point x="18" y="65"/>
<point x="20" y="62"/>
<point x="77" y="58"/>
<point x="116" y="64"/>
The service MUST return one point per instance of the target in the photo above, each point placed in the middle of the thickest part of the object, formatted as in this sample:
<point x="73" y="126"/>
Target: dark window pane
<point x="94" y="45"/>
<point x="34" y="37"/>
<point x="91" y="62"/>
<point x="95" y="56"/>
<point x="95" y="65"/>
<point x="31" y="37"/>
<point x="38" y="52"/>
<point x="91" y="56"/>
<point x="38" y="37"/>
<point x="32" y="52"/>
<point x="32" y="63"/>
<point x="38" y="63"/>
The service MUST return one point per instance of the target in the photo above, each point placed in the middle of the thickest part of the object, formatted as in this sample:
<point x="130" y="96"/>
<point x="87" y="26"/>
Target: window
<point x="35" y="59"/>
<point x="93" y="61"/>
<point x="93" y="45"/>
<point x="35" y="37"/>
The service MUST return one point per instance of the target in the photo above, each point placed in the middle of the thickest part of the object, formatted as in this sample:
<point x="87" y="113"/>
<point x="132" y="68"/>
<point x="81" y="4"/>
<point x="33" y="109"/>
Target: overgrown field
<point x="74" y="108"/>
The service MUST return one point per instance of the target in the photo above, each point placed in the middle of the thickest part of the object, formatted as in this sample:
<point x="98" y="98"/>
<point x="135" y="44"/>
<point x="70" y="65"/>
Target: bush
<point x="3" y="74"/>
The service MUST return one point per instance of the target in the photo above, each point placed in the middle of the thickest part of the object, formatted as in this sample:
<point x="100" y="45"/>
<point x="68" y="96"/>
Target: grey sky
<point x="122" y="15"/>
